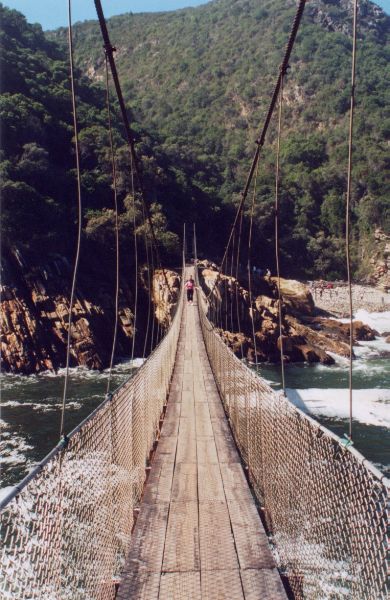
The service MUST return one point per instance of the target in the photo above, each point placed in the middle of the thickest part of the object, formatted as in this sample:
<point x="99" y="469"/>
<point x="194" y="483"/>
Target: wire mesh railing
<point x="325" y="506"/>
<point x="67" y="526"/>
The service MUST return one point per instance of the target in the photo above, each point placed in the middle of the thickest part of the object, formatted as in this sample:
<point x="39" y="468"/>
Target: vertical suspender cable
<point x="348" y="209"/>
<point x="151" y="293"/>
<point x="280" y="299"/>
<point x="135" y="259"/>
<point x="113" y="164"/>
<point x="231" y="284"/>
<point x="250" y="262"/>
<point x="184" y="245"/>
<point x="237" y="269"/>
<point x="195" y="246"/>
<point x="149" y="287"/>
<point x="77" y="258"/>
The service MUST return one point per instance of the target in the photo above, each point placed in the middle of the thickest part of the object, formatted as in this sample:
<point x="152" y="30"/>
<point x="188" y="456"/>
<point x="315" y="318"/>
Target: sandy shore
<point x="336" y="300"/>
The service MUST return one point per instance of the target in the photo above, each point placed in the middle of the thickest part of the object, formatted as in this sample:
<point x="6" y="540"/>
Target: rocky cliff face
<point x="305" y="336"/>
<point x="35" y="313"/>
<point x="380" y="260"/>
<point x="165" y="298"/>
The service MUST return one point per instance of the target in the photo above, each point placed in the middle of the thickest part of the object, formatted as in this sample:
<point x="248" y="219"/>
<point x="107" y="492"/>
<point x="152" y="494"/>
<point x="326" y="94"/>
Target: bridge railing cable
<point x="324" y="504"/>
<point x="67" y="526"/>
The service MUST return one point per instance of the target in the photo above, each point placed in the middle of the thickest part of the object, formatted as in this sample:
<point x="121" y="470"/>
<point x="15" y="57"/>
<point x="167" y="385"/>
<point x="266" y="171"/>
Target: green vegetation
<point x="198" y="82"/>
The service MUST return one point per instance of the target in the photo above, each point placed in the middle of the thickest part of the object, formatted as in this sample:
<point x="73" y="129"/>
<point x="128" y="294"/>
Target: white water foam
<point x="13" y="448"/>
<point x="124" y="367"/>
<point x="371" y="406"/>
<point x="380" y="321"/>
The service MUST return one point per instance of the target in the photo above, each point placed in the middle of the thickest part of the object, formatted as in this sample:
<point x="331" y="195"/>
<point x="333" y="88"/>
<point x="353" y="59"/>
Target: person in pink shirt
<point x="190" y="286"/>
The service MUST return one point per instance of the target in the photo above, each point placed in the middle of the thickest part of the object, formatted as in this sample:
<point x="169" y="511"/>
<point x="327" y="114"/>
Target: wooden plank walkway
<point x="198" y="534"/>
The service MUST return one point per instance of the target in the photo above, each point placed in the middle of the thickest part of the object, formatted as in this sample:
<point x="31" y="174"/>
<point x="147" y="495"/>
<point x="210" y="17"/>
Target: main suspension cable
<point x="261" y="139"/>
<point x="348" y="209"/>
<point x="79" y="206"/>
<point x="129" y="134"/>
<point x="114" y="183"/>
<point x="277" y="249"/>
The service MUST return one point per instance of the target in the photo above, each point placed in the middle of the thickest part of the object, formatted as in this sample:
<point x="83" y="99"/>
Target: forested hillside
<point x="198" y="82"/>
<point x="39" y="208"/>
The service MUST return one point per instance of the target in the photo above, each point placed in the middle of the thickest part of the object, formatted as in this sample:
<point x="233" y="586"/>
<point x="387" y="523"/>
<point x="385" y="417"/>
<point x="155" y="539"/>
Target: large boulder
<point x="337" y="330"/>
<point x="296" y="296"/>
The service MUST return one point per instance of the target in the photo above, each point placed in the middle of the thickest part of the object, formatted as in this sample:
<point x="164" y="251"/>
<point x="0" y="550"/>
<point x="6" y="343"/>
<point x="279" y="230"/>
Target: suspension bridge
<point x="194" y="479"/>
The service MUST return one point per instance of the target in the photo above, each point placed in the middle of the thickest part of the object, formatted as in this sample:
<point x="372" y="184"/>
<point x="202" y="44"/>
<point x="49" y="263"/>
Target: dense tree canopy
<point x="198" y="83"/>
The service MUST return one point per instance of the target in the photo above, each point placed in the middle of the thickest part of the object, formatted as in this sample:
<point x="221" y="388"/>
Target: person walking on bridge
<point x="190" y="286"/>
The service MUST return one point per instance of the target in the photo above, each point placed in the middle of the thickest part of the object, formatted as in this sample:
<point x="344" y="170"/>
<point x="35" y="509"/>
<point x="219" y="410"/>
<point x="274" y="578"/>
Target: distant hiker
<point x="189" y="286"/>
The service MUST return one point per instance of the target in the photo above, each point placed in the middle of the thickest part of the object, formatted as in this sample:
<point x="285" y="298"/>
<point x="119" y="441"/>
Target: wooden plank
<point x="180" y="586"/>
<point x="235" y="483"/>
<point x="159" y="483"/>
<point x="188" y="409"/>
<point x="173" y="410"/>
<point x="186" y="451"/>
<point x="166" y="449"/>
<point x="181" y="551"/>
<point x="221" y="585"/>
<point x="175" y="397"/>
<point x="226" y="449"/>
<point x="148" y="539"/>
<point x="216" y="411"/>
<point x="169" y="427"/>
<point x="262" y="584"/>
<point x="221" y="427"/>
<point x="250" y="538"/>
<point x="176" y="385"/>
<point x="186" y="445"/>
<point x="202" y="411"/>
<point x="185" y="486"/>
<point x="204" y="428"/>
<point x="217" y="550"/>
<point x="139" y="584"/>
<point x="188" y="367"/>
<point x="206" y="451"/>
<point x="188" y="383"/>
<point x="210" y="485"/>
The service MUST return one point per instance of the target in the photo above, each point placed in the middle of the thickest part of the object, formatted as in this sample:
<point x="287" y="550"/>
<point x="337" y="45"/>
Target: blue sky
<point x="53" y="13"/>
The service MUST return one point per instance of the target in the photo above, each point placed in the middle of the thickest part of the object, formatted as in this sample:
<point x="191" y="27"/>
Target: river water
<point x="322" y="391"/>
<point x="31" y="412"/>
<point x="30" y="416"/>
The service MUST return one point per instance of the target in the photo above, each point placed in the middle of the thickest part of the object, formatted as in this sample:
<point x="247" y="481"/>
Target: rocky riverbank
<point x="335" y="300"/>
<point x="306" y="334"/>
<point x="35" y="314"/>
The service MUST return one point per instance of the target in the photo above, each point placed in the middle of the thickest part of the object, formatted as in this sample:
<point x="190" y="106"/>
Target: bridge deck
<point x="198" y="534"/>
